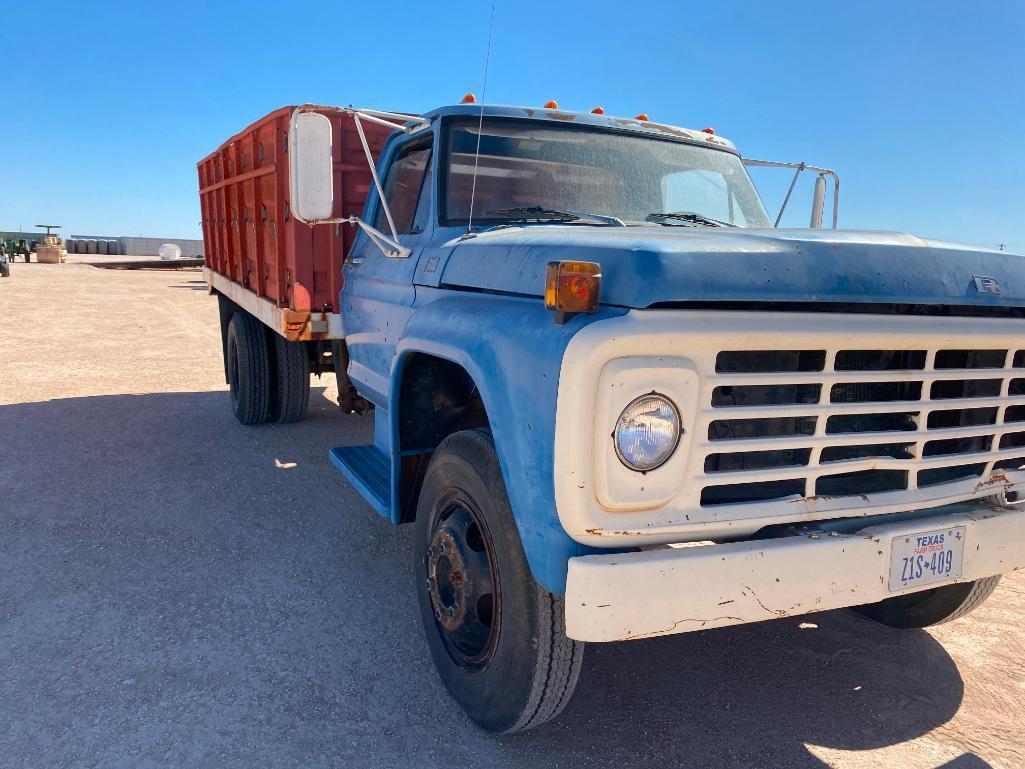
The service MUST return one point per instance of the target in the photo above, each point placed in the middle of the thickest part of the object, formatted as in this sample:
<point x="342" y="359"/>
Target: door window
<point x="403" y="187"/>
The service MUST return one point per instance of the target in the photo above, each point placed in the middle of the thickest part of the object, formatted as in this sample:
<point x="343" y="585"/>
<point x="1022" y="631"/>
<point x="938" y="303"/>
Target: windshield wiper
<point x="539" y="214"/>
<point x="689" y="217"/>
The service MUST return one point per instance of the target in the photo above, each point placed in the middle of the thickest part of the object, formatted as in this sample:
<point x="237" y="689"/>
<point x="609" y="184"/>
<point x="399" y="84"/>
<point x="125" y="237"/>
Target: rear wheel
<point x="248" y="369"/>
<point x="291" y="380"/>
<point x="930" y="607"/>
<point x="497" y="638"/>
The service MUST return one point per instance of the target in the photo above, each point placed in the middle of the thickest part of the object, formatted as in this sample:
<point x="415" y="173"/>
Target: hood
<point x="645" y="266"/>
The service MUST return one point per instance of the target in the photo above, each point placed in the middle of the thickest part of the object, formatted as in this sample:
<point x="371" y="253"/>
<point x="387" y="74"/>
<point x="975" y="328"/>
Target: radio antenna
<point x="480" y="122"/>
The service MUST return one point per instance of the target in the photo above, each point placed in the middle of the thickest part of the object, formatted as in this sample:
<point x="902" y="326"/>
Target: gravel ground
<point x="177" y="590"/>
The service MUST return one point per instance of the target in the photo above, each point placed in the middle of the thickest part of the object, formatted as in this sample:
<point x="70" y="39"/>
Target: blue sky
<point x="918" y="105"/>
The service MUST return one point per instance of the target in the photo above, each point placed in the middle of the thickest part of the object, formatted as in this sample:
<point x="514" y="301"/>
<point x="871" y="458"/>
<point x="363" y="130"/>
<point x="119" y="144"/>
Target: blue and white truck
<point x="615" y="401"/>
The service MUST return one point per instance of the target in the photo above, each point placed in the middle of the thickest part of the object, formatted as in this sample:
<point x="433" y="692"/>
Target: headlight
<point x="647" y="432"/>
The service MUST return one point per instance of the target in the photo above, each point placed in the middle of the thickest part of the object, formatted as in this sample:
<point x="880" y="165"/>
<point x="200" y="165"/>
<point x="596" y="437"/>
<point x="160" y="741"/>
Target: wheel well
<point x="436" y="398"/>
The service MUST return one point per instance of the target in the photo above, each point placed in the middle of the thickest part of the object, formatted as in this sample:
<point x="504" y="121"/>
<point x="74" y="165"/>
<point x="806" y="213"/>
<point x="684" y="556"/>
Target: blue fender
<point x="513" y="350"/>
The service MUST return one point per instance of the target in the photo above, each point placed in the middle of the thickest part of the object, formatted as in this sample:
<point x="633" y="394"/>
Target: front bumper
<point x="623" y="596"/>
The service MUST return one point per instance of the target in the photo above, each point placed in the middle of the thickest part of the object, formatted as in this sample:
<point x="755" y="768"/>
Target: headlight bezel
<point x="668" y="455"/>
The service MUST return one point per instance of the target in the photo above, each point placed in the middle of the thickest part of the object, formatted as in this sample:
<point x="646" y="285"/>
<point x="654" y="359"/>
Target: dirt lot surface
<point x="177" y="590"/>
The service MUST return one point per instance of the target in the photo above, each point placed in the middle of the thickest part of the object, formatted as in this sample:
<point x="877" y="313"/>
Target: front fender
<point x="513" y="350"/>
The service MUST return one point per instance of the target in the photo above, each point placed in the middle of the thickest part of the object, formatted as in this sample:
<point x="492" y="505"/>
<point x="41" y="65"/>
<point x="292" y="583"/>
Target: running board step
<point x="368" y="469"/>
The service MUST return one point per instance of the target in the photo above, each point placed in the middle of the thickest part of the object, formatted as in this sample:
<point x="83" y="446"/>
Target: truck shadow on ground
<point x="232" y="577"/>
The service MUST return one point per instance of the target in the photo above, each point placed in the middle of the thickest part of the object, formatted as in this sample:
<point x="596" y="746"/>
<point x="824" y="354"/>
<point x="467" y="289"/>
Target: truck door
<point x="378" y="293"/>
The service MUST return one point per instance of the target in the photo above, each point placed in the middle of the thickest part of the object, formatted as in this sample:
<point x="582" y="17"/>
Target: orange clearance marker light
<point x="598" y="111"/>
<point x="643" y="117"/>
<point x="708" y="130"/>
<point x="551" y="104"/>
<point x="572" y="287"/>
<point x="469" y="99"/>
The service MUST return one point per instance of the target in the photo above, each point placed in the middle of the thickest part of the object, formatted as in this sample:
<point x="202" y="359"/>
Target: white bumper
<point x="676" y="590"/>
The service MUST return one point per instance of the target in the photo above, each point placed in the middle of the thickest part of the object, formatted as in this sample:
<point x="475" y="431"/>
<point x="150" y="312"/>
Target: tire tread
<point x="980" y="591"/>
<point x="559" y="661"/>
<point x="253" y="364"/>
<point x="292" y="379"/>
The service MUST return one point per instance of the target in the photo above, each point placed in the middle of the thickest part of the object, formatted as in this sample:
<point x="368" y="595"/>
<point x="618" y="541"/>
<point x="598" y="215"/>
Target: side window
<point x="402" y="187"/>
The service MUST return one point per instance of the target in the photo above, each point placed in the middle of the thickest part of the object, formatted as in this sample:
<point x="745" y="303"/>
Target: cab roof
<point x="583" y="118"/>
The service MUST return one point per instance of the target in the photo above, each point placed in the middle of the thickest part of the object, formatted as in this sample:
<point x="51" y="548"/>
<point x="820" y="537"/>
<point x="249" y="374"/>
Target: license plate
<point x="927" y="557"/>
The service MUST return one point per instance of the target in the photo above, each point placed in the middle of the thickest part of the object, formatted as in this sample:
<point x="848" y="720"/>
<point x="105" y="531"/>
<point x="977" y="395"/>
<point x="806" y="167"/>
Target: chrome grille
<point x="798" y="424"/>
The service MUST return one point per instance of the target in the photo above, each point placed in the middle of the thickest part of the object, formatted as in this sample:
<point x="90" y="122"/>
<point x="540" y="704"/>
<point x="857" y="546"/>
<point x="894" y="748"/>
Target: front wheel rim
<point x="462" y="583"/>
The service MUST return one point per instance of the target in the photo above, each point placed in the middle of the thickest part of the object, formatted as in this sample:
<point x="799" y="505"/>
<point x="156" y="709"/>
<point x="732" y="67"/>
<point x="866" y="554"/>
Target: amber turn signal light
<point x="572" y="287"/>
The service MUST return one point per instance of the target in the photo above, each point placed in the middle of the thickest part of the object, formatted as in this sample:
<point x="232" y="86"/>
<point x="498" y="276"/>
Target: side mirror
<point x="311" y="187"/>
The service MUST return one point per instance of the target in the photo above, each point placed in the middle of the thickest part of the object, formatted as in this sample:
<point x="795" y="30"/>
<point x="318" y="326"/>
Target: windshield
<point x="525" y="164"/>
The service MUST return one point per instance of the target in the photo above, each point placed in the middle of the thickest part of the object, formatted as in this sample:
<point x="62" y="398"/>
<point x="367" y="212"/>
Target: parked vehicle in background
<point x="18" y="247"/>
<point x="613" y="399"/>
<point x="50" y="249"/>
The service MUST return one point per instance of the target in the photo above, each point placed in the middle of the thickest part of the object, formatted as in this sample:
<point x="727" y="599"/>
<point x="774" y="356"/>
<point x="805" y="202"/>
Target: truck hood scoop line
<point x="666" y="266"/>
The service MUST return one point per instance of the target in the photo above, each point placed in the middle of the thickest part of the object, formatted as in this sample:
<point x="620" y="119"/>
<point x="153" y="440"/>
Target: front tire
<point x="248" y="369"/>
<point x="930" y="607"/>
<point x="497" y="638"/>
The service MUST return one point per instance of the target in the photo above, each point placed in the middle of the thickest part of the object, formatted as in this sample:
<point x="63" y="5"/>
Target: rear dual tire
<point x="268" y="376"/>
<point x="248" y="369"/>
<point x="291" y="392"/>
<point x="498" y="638"/>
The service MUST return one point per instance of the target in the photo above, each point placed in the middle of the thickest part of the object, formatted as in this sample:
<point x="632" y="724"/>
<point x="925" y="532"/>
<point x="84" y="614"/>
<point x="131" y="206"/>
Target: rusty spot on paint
<point x="993" y="480"/>
<point x="603" y="533"/>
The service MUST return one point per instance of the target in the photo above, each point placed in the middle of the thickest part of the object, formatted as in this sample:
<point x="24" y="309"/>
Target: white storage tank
<point x="170" y="251"/>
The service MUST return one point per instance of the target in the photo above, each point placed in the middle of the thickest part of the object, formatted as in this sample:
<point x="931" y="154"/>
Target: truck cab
<point x="617" y="402"/>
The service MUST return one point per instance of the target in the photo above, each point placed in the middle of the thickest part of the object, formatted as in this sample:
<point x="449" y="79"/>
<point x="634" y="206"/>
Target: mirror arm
<point x="389" y="247"/>
<point x="800" y="167"/>
<point x="790" y="191"/>
<point x="377" y="182"/>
